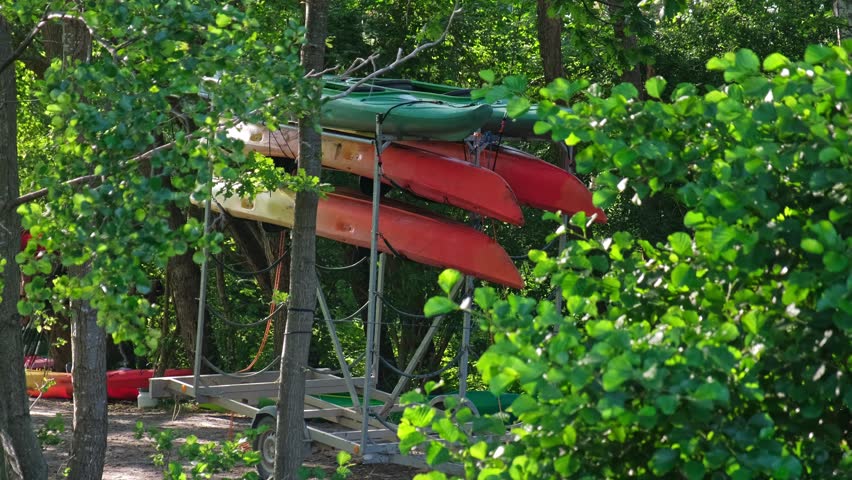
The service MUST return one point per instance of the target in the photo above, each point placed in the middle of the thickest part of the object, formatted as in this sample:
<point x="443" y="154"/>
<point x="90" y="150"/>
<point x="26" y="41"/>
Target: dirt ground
<point x="130" y="459"/>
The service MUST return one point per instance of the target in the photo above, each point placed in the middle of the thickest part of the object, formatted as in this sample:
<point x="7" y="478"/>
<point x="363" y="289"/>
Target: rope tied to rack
<point x="272" y="304"/>
<point x="421" y="376"/>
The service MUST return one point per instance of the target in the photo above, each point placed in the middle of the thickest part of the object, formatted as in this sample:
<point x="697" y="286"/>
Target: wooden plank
<point x="325" y="438"/>
<point x="347" y="413"/>
<point x="235" y="406"/>
<point x="375" y="434"/>
<point x="331" y="414"/>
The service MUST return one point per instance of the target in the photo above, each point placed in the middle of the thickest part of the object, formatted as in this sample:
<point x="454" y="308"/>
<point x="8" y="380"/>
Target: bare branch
<point x="26" y="43"/>
<point x="40" y="193"/>
<point x="399" y="57"/>
<point x="90" y="178"/>
<point x="59" y="16"/>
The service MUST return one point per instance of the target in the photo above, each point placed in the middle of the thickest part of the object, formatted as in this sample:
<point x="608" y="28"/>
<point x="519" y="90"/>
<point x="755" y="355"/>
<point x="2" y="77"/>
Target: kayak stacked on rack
<point x="428" y="158"/>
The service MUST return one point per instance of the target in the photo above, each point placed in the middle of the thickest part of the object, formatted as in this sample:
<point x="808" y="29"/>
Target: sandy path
<point x="130" y="459"/>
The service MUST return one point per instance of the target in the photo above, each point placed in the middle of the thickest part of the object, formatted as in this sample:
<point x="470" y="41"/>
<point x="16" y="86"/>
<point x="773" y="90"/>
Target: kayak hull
<point x="404" y="115"/>
<point x="121" y="384"/>
<point x="428" y="175"/>
<point x="497" y="123"/>
<point x="535" y="182"/>
<point x="417" y="235"/>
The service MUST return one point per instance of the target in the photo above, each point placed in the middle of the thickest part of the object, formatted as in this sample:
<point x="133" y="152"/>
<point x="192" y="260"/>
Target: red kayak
<point x="535" y="182"/>
<point x="426" y="174"/>
<point x="424" y="237"/>
<point x="418" y="235"/>
<point x="121" y="384"/>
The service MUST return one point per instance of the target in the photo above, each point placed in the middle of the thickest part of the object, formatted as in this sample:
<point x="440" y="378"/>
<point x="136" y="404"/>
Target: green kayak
<point x="406" y="115"/>
<point x="498" y="123"/>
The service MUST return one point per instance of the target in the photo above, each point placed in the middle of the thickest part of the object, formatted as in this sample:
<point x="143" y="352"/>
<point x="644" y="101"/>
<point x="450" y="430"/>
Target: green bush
<point x="724" y="351"/>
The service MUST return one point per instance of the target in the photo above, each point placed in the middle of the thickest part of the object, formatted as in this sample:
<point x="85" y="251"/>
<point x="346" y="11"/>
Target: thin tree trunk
<point x="632" y="73"/>
<point x="303" y="279"/>
<point x="184" y="281"/>
<point x="19" y="441"/>
<point x="549" y="40"/>
<point x="88" y="377"/>
<point x="70" y="40"/>
<point x="843" y="11"/>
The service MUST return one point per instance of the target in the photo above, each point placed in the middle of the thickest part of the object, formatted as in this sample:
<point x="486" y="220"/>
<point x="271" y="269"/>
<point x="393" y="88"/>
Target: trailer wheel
<point x="265" y="444"/>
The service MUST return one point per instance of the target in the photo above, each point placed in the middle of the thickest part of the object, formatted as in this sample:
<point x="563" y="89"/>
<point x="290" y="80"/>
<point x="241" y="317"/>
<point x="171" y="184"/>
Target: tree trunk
<point x="632" y="73"/>
<point x="549" y="40"/>
<point x="19" y="441"/>
<point x="70" y="40"/>
<point x="184" y="281"/>
<point x="303" y="278"/>
<point x="88" y="377"/>
<point x="843" y="11"/>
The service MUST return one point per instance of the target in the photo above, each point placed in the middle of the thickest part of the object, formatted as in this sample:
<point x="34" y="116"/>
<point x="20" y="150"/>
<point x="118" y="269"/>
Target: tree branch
<point x="400" y="58"/>
<point x="29" y="197"/>
<point x="42" y="192"/>
<point x="26" y="43"/>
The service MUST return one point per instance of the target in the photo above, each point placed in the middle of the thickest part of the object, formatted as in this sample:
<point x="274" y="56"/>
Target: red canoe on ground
<point x="121" y="384"/>
<point x="429" y="175"/>
<point x="415" y="234"/>
<point x="535" y="182"/>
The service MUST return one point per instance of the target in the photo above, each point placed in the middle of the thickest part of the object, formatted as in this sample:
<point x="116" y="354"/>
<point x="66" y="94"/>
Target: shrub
<point x="724" y="351"/>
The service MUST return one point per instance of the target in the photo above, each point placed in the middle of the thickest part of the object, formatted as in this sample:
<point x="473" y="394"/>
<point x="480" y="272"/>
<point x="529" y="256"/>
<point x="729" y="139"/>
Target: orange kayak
<point x="418" y="235"/>
<point x="535" y="182"/>
<point x="426" y="174"/>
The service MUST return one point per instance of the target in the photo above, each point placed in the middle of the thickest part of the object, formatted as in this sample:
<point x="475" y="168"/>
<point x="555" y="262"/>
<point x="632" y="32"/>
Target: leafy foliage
<point x="205" y="459"/>
<point x="146" y="119"/>
<point x="724" y="350"/>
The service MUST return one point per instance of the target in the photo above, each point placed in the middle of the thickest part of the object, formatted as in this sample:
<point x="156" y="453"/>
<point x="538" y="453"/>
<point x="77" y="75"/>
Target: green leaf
<point x="835" y="262"/>
<point x="817" y="54"/>
<point x="618" y="371"/>
<point x="693" y="219"/>
<point x="713" y="391"/>
<point x="655" y="86"/>
<point x="517" y="106"/>
<point x="663" y="461"/>
<point x="681" y="243"/>
<point x="448" y="279"/>
<point x="727" y="332"/>
<point x="485" y="297"/>
<point x="667" y="404"/>
<point x="680" y="275"/>
<point x="604" y="198"/>
<point x="569" y="436"/>
<point x="694" y="470"/>
<point x="789" y="467"/>
<point x="523" y="404"/>
<point x="222" y="20"/>
<point x="487" y="75"/>
<point x="437" y="454"/>
<point x="439" y="306"/>
<point x="775" y="61"/>
<point x="812" y="245"/>
<point x="626" y="90"/>
<point x="540" y="128"/>
<point x="747" y="60"/>
<point x="717" y="63"/>
<point x="753" y="321"/>
<point x="479" y="450"/>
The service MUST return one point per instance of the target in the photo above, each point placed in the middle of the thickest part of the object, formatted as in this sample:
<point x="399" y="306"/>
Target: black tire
<point x="265" y="444"/>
